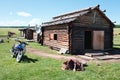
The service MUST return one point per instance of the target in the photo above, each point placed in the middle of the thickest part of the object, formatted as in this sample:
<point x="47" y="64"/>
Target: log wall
<point x="62" y="37"/>
<point x="92" y="21"/>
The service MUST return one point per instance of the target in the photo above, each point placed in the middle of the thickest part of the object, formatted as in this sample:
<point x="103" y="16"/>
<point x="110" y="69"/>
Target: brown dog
<point x="73" y="64"/>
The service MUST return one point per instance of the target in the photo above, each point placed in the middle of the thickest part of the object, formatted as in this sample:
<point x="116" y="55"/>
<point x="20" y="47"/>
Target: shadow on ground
<point x="114" y="51"/>
<point x="26" y="59"/>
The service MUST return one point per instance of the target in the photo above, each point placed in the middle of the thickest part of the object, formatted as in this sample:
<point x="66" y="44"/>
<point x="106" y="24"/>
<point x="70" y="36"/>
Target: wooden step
<point x="85" y="57"/>
<point x="108" y="57"/>
<point x="94" y="54"/>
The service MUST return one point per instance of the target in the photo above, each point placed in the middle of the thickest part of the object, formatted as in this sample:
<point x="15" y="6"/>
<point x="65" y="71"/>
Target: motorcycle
<point x="18" y="50"/>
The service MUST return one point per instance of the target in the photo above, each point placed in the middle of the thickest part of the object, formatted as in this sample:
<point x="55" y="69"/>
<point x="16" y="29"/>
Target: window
<point x="55" y="36"/>
<point x="52" y="36"/>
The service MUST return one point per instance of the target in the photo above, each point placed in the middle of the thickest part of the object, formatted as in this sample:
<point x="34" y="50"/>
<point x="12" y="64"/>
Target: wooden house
<point x="28" y="33"/>
<point x="87" y="29"/>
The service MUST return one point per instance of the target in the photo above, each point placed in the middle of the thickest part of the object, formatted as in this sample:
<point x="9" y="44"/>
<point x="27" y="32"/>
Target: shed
<point x="28" y="33"/>
<point x="86" y="29"/>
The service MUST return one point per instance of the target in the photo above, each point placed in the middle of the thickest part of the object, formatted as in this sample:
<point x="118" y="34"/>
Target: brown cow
<point x="11" y="34"/>
<point x="73" y="64"/>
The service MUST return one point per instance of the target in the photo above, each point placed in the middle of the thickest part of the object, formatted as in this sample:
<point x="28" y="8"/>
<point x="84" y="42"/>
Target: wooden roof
<point x="31" y="28"/>
<point x="69" y="17"/>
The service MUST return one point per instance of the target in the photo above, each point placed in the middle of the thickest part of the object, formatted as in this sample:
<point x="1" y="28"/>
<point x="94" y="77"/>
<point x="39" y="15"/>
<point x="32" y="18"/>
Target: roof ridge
<point x="58" y="20"/>
<point x="78" y="11"/>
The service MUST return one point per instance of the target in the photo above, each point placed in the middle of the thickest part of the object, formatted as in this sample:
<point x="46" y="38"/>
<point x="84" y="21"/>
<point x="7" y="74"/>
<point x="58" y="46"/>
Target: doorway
<point x="88" y="40"/>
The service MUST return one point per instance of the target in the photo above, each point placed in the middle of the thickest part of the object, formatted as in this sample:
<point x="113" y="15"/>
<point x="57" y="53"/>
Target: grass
<point x="38" y="68"/>
<point x="116" y="30"/>
<point x="3" y="31"/>
<point x="117" y="38"/>
<point x="33" y="67"/>
<point x="42" y="48"/>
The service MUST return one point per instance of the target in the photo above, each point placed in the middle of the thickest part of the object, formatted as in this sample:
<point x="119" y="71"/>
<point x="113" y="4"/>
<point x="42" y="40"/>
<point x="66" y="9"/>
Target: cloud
<point x="12" y="23"/>
<point x="24" y="14"/>
<point x="34" y="21"/>
<point x="11" y="13"/>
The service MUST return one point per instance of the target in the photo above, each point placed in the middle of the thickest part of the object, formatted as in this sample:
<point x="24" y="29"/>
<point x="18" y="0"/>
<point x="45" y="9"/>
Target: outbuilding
<point x="28" y="33"/>
<point x="86" y="29"/>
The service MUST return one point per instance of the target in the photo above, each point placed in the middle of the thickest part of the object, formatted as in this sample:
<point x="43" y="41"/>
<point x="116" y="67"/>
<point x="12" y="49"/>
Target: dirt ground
<point x="54" y="56"/>
<point x="81" y="58"/>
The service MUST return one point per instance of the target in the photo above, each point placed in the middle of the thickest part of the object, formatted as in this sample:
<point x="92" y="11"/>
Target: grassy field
<point x="33" y="67"/>
<point x="3" y="31"/>
<point x="117" y="37"/>
<point x="36" y="68"/>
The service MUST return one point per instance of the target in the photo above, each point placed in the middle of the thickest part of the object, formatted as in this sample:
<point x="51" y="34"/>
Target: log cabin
<point x="28" y="33"/>
<point x="86" y="29"/>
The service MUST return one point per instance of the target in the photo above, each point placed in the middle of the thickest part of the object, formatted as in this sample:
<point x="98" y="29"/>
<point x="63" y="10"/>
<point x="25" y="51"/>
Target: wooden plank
<point x="94" y="54"/>
<point x="85" y="57"/>
<point x="108" y="57"/>
<point x="63" y="51"/>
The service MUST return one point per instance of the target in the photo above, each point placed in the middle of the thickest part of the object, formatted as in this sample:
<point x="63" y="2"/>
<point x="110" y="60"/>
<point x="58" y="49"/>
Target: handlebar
<point x="21" y="42"/>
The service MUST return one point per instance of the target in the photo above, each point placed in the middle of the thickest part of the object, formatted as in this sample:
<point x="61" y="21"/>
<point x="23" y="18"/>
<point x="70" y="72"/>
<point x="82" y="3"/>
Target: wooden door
<point x="98" y="40"/>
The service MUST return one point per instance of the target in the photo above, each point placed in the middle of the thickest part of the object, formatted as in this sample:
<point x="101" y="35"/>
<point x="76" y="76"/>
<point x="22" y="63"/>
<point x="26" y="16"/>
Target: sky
<point x="25" y="12"/>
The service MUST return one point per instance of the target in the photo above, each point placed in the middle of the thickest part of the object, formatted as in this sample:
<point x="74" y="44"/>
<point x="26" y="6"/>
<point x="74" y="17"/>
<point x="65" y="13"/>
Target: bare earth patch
<point x="54" y="56"/>
<point x="81" y="58"/>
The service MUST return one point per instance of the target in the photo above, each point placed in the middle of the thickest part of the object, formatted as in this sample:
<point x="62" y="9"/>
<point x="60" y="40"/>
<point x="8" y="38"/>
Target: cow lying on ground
<point x="11" y="34"/>
<point x="73" y="64"/>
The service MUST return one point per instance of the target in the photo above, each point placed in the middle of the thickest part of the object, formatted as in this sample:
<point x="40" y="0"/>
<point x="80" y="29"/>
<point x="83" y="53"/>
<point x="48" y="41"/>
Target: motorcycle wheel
<point x="19" y="56"/>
